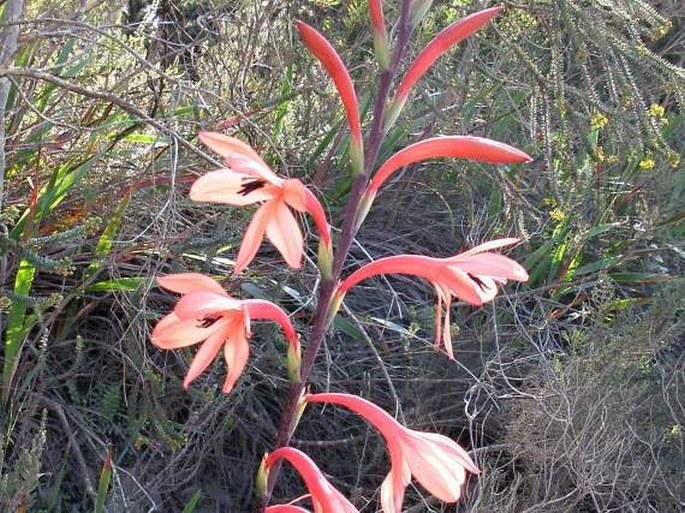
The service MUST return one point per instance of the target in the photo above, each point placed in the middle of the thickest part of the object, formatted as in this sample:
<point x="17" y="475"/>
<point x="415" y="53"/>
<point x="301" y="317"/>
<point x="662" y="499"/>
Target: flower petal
<point x="325" y="497"/>
<point x="253" y="237"/>
<point x="236" y="353"/>
<point x="396" y="482"/>
<point x="261" y="309"/>
<point x="490" y="264"/>
<point x="438" y="463"/>
<point x="461" y="285"/>
<point x="295" y="194"/>
<point x="489" y="245"/>
<point x="238" y="155"/>
<point x="284" y="233"/>
<point x="183" y="283"/>
<point x="199" y="304"/>
<point x="205" y="355"/>
<point x="231" y="187"/>
<point x="173" y="333"/>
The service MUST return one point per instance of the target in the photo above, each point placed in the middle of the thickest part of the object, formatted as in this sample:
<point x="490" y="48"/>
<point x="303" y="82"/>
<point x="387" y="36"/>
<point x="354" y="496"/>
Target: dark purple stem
<point x="328" y="287"/>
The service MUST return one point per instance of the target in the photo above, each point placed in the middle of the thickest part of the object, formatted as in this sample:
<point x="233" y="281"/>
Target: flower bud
<point x="334" y="306"/>
<point x="325" y="259"/>
<point x="262" y="477"/>
<point x="357" y="155"/>
<point x="294" y="360"/>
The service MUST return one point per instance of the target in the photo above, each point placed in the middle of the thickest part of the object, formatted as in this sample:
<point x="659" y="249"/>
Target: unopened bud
<point x="262" y="477"/>
<point x="364" y="207"/>
<point x="380" y="46"/>
<point x="357" y="155"/>
<point x="392" y="112"/>
<point x="325" y="260"/>
<point x="334" y="306"/>
<point x="294" y="362"/>
<point x="301" y="405"/>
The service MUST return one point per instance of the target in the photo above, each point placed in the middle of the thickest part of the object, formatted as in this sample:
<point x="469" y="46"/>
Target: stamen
<point x="208" y="321"/>
<point x="251" y="185"/>
<point x="478" y="282"/>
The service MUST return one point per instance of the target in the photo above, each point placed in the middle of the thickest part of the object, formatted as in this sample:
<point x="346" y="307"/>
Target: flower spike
<point x="471" y="276"/>
<point x="207" y="313"/>
<point x="450" y="36"/>
<point x="249" y="180"/>
<point x="436" y="461"/>
<point x="325" y="498"/>
<point x="477" y="149"/>
<point x="331" y="61"/>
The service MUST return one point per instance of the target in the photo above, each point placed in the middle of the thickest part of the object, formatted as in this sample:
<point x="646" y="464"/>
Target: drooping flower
<point x="249" y="180"/>
<point x="471" y="276"/>
<point x="333" y="64"/>
<point x="437" y="462"/>
<point x="325" y="498"/>
<point x="206" y="313"/>
<point x="468" y="147"/>
<point x="446" y="39"/>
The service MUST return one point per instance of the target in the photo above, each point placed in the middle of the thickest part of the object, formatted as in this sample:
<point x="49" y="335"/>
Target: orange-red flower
<point x="206" y="313"/>
<point x="468" y="147"/>
<point x="333" y="64"/>
<point x="450" y="36"/>
<point x="325" y="498"/>
<point x="471" y="276"/>
<point x="436" y="461"/>
<point x="249" y="180"/>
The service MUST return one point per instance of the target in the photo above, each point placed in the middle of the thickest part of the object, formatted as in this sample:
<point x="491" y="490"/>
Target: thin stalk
<point x="328" y="287"/>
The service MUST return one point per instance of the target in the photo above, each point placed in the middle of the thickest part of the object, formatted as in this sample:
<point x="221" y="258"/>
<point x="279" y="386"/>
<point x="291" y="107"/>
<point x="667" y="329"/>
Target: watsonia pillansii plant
<point x="206" y="315"/>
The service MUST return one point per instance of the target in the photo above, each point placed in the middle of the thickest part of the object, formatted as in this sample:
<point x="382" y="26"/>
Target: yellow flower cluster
<point x="557" y="215"/>
<point x="647" y="164"/>
<point x="598" y="121"/>
<point x="656" y="110"/>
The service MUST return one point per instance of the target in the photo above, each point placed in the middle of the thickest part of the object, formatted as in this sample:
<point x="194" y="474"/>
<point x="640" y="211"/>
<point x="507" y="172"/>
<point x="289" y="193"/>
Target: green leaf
<point x="190" y="507"/>
<point x="16" y="323"/>
<point x="103" y="486"/>
<point x="282" y="107"/>
<point x="106" y="240"/>
<point x="130" y="284"/>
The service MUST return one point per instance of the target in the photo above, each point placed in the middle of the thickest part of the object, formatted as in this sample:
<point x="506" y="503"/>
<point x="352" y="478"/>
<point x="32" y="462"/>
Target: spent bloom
<point x="437" y="462"/>
<point x="325" y="498"/>
<point x="472" y="276"/>
<point x="206" y="313"/>
<point x="248" y="180"/>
